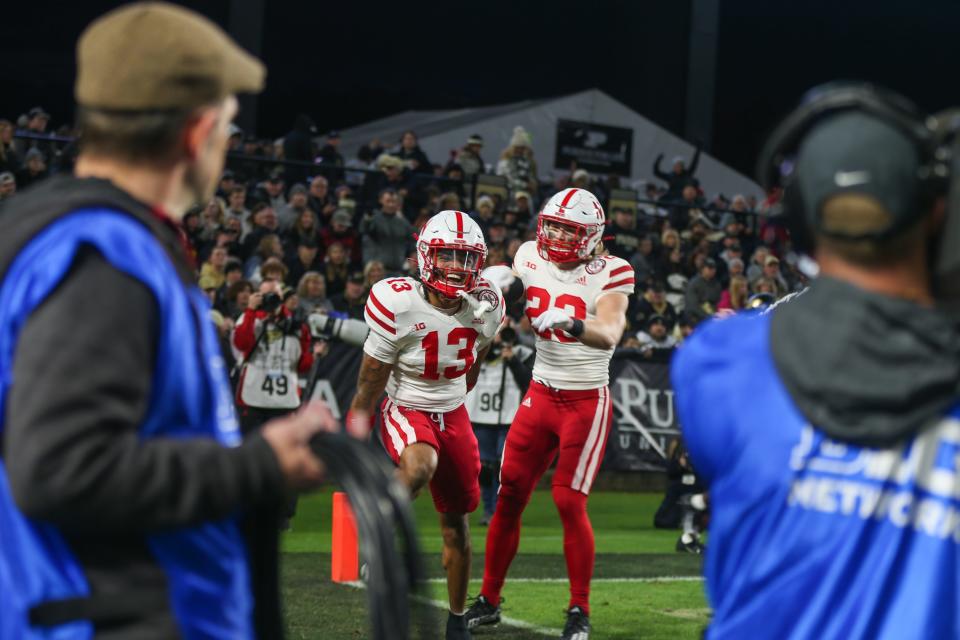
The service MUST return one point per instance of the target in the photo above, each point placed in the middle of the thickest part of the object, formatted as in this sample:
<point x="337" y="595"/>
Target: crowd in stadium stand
<point x="329" y="227"/>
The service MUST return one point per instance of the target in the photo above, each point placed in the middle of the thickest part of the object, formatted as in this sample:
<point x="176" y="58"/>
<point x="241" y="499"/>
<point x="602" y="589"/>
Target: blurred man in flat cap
<point x="122" y="472"/>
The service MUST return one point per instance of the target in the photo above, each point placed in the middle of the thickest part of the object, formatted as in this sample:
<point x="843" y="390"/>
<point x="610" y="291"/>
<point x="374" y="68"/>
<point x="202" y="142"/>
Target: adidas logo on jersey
<point x="582" y="280"/>
<point x="526" y="402"/>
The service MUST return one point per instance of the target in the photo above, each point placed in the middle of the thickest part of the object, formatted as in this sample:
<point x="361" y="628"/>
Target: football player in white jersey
<point x="576" y="300"/>
<point x="426" y="342"/>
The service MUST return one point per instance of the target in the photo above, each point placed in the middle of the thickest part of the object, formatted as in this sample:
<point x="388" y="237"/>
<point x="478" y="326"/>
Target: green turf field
<point x="642" y="588"/>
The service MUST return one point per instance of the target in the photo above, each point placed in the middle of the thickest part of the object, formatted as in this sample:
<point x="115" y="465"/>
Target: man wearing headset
<point x="834" y="475"/>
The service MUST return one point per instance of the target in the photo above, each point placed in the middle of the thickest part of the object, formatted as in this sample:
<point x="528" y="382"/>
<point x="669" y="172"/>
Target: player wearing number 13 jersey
<point x="576" y="300"/>
<point x="426" y="342"/>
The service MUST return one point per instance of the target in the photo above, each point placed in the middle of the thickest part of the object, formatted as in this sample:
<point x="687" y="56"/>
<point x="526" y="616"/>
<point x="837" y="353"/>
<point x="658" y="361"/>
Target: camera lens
<point x="271" y="302"/>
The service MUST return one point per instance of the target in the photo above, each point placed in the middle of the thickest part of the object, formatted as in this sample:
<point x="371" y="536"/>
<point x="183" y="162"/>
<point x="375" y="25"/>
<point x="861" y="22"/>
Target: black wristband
<point x="576" y="329"/>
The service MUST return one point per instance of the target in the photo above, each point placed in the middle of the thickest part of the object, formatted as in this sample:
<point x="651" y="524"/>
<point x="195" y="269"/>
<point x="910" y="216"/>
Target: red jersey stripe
<point x="386" y="312"/>
<point x="620" y="270"/>
<point x="618" y="283"/>
<point x="372" y="316"/>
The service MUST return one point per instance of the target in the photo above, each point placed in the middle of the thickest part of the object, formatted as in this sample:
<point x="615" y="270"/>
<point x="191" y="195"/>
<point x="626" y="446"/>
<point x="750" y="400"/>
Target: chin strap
<point x="480" y="307"/>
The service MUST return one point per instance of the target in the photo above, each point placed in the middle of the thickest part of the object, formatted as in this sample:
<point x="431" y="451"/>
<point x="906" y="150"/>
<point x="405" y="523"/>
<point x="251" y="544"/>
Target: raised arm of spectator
<point x="696" y="161"/>
<point x="657" y="171"/>
<point x="245" y="333"/>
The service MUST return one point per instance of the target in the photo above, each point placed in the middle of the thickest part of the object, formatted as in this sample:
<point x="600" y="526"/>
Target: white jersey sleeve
<point x="385" y="306"/>
<point x="620" y="277"/>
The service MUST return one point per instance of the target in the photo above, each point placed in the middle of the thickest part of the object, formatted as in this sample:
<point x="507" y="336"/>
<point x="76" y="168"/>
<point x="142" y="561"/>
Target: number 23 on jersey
<point x="538" y="301"/>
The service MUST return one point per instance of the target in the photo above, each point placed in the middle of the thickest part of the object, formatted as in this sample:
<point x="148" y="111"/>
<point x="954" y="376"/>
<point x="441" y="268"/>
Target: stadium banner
<point x="337" y="380"/>
<point x="644" y="414"/>
<point x="594" y="147"/>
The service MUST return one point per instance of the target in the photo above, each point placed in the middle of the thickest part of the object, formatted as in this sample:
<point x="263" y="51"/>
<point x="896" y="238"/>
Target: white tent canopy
<point x="440" y="132"/>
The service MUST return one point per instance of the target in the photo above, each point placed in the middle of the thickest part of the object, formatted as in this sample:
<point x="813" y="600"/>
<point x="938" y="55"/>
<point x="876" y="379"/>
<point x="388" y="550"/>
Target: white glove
<point x="500" y="275"/>
<point x="552" y="319"/>
<point x="480" y="307"/>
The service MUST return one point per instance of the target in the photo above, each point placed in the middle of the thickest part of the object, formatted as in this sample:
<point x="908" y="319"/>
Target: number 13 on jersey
<point x="463" y="338"/>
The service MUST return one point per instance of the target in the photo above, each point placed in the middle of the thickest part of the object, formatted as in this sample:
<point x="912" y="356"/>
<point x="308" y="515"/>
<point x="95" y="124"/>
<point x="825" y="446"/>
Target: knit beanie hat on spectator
<point x="521" y="138"/>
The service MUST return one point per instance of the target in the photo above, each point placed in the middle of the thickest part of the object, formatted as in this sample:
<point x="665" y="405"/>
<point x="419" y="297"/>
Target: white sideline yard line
<point x="600" y="580"/>
<point x="440" y="604"/>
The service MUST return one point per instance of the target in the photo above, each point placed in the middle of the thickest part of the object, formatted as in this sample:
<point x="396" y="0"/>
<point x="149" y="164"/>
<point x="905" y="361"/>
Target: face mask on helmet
<point x="564" y="241"/>
<point x="448" y="270"/>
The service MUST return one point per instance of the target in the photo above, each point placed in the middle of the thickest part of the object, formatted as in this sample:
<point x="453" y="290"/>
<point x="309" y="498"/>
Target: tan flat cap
<point x="154" y="55"/>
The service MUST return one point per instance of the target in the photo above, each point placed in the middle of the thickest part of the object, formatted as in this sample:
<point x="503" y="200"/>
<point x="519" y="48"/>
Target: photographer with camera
<point x="276" y="350"/>
<point x="504" y="377"/>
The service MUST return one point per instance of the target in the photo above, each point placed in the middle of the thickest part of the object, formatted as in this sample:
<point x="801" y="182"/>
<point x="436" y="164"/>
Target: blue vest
<point x="206" y="565"/>
<point x="809" y="537"/>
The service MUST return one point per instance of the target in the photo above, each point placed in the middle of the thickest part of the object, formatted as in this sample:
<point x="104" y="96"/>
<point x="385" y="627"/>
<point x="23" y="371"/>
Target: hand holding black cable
<point x="381" y="506"/>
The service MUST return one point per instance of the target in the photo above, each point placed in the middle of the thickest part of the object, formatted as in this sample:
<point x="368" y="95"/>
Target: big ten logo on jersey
<point x="538" y="301"/>
<point x="420" y="326"/>
<point x="530" y="265"/>
<point x="450" y="356"/>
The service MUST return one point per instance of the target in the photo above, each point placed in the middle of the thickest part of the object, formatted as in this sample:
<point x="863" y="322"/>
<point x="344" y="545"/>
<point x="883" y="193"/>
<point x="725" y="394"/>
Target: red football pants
<point x="455" y="485"/>
<point x="575" y="424"/>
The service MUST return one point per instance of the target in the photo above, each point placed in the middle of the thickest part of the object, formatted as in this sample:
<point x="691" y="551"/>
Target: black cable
<point x="381" y="506"/>
<point x="382" y="509"/>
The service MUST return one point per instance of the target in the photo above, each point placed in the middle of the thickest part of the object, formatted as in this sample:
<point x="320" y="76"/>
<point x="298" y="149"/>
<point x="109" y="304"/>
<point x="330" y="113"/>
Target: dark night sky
<point x="347" y="62"/>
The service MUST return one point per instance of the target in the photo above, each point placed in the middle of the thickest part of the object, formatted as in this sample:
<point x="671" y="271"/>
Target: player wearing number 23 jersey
<point x="576" y="301"/>
<point x="426" y="342"/>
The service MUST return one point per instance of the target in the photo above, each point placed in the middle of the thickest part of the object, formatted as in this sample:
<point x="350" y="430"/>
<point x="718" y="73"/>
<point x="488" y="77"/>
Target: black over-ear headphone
<point x="776" y="165"/>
